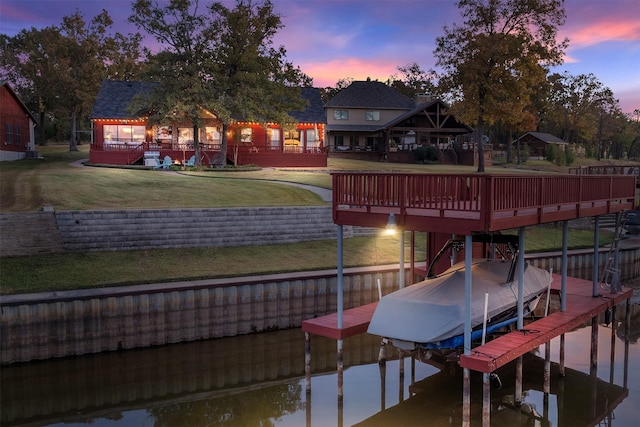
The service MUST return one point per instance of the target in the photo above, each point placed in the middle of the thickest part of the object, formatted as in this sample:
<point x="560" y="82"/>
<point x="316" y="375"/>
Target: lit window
<point x="123" y="133"/>
<point x="341" y="114"/>
<point x="245" y="135"/>
<point x="372" y="116"/>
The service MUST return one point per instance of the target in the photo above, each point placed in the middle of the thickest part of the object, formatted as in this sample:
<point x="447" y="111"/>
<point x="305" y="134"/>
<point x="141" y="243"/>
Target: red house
<point x="17" y="124"/>
<point x="121" y="139"/>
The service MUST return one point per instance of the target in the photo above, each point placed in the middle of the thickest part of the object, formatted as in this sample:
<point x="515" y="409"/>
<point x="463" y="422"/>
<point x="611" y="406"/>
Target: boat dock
<point x="581" y="308"/>
<point x="465" y="205"/>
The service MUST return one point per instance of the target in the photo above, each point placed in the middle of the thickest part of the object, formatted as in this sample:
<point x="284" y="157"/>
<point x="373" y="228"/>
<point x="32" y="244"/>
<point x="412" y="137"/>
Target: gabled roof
<point x="450" y="122"/>
<point x="314" y="112"/>
<point x="544" y="137"/>
<point x="370" y="94"/>
<point x="6" y="84"/>
<point x="115" y="96"/>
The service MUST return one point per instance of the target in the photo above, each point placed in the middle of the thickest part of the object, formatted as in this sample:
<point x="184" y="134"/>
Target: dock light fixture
<point x="392" y="226"/>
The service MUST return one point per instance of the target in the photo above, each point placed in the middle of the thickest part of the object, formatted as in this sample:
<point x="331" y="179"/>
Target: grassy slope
<point x="29" y="185"/>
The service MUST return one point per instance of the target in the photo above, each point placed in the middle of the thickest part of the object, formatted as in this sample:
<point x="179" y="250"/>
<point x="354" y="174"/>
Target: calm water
<point x="258" y="380"/>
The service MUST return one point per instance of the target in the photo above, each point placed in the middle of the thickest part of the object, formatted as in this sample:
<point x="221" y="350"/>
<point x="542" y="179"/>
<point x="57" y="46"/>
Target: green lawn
<point x="28" y="185"/>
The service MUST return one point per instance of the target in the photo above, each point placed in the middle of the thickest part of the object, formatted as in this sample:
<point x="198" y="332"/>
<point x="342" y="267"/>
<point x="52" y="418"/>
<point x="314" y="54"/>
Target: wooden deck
<point x="581" y="307"/>
<point x="465" y="204"/>
<point x="355" y="321"/>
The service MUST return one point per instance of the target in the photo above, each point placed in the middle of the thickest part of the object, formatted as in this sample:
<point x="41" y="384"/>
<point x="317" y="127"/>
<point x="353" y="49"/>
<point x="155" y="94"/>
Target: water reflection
<point x="258" y="380"/>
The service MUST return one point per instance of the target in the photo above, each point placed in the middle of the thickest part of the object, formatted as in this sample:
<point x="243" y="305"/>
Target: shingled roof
<point x="370" y="94"/>
<point x="115" y="96"/>
<point x="314" y="112"/>
<point x="544" y="137"/>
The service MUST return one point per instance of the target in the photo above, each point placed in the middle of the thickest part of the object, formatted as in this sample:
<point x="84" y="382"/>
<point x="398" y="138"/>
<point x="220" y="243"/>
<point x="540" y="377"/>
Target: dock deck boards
<point x="355" y="321"/>
<point x="581" y="306"/>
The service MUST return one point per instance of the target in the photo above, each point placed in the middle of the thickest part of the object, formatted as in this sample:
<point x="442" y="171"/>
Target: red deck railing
<point x="475" y="203"/>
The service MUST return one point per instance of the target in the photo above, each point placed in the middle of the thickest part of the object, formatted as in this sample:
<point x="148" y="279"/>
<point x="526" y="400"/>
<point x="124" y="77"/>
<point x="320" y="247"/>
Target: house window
<point x="312" y="138"/>
<point x="274" y="137"/>
<point x="164" y="132"/>
<point x="8" y="134"/>
<point x="338" y="140"/>
<point x="341" y="114"/>
<point x="372" y="116"/>
<point x="212" y="135"/>
<point x="292" y="137"/>
<point x="245" y="135"/>
<point x="123" y="133"/>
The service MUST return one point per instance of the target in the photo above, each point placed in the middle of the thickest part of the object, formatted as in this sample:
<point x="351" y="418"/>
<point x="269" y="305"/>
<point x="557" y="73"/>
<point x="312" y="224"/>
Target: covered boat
<point x="430" y="314"/>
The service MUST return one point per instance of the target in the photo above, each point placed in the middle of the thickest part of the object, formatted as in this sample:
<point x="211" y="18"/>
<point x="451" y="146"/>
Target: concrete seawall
<point x="59" y="324"/>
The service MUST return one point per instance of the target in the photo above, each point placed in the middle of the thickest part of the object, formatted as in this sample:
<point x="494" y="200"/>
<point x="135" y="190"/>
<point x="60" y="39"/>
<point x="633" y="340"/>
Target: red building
<point x="17" y="124"/>
<point x="119" y="138"/>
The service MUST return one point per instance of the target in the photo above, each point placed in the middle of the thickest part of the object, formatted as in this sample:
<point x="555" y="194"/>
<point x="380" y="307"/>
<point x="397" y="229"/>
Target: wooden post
<point x="466" y="374"/>
<point x="613" y="344"/>
<point x="518" y="391"/>
<point x="382" y="364"/>
<point x="547" y="371"/>
<point x="561" y="362"/>
<point x="401" y="376"/>
<point x="593" y="367"/>
<point x="307" y="361"/>
<point x="596" y="255"/>
<point x="466" y="397"/>
<point x="340" y="371"/>
<point x="486" y="400"/>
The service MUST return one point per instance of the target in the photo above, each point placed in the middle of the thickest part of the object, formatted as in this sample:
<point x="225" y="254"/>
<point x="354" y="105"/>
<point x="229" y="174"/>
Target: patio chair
<point x="191" y="161"/>
<point x="166" y="164"/>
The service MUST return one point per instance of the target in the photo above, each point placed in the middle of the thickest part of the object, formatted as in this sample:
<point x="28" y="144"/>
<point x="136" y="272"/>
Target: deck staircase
<point x="610" y="277"/>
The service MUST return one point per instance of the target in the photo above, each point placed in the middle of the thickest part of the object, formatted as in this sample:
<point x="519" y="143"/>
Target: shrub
<point x="425" y="153"/>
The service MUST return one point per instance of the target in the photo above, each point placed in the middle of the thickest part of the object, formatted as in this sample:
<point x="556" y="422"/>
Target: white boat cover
<point x="433" y="310"/>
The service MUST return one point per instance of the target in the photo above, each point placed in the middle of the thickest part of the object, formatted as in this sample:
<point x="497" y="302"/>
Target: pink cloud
<point x="605" y="31"/>
<point x="327" y="73"/>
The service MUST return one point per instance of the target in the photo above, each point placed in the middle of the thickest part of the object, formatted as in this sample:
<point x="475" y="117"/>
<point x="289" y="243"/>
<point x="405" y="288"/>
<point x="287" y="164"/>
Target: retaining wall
<point x="59" y="324"/>
<point x="109" y="230"/>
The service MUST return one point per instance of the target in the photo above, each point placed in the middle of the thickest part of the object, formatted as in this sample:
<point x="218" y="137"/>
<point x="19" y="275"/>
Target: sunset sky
<point x="334" y="39"/>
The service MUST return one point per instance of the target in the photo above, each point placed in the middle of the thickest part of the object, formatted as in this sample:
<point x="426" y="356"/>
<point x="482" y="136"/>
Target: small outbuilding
<point x="537" y="142"/>
<point x="17" y="124"/>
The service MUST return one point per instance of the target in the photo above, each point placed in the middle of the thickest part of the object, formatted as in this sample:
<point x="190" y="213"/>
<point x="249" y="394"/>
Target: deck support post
<point x="340" y="371"/>
<point x="466" y="374"/>
<point x="466" y="397"/>
<point x="400" y="376"/>
<point x="382" y="364"/>
<point x="562" y="350"/>
<point x="593" y="366"/>
<point x="401" y="256"/>
<point x="340" y="296"/>
<point x="520" y="269"/>
<point x="547" y="371"/>
<point x="613" y="344"/>
<point x="307" y="361"/>
<point x="596" y="255"/>
<point x="518" y="391"/>
<point x="627" y="329"/>
<point x="564" y="266"/>
<point x="486" y="400"/>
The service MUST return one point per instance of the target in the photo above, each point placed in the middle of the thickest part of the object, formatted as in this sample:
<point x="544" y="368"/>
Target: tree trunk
<point x="196" y="143"/>
<point x="73" y="143"/>
<point x="41" y="130"/>
<point x="223" y="146"/>
<point x="479" y="133"/>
